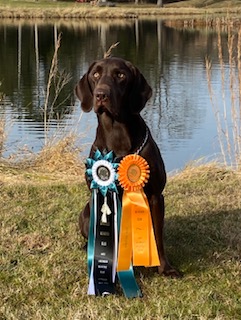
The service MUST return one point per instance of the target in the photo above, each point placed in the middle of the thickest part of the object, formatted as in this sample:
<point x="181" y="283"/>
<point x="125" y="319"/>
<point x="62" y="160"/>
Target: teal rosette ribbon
<point x="103" y="228"/>
<point x="101" y="171"/>
<point x="105" y="217"/>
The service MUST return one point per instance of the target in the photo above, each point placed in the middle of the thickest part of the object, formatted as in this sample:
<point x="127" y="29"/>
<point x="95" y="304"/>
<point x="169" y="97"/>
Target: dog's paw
<point x="169" y="271"/>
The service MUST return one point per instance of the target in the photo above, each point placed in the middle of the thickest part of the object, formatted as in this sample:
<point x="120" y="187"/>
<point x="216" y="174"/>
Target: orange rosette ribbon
<point x="137" y="243"/>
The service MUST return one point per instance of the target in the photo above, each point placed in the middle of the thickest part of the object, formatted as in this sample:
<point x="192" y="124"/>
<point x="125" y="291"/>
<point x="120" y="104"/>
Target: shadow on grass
<point x="199" y="242"/>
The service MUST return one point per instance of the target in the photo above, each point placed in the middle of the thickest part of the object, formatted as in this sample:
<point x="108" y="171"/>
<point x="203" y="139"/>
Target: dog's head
<point x="114" y="86"/>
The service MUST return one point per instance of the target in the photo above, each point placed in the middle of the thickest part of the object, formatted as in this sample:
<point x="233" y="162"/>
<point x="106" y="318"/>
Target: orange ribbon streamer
<point x="137" y="241"/>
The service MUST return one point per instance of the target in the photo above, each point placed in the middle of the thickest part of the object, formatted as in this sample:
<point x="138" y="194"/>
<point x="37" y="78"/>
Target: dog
<point x="118" y="91"/>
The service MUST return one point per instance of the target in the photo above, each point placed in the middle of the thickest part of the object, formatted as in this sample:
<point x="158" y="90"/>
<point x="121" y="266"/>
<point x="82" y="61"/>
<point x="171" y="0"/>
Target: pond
<point x="172" y="59"/>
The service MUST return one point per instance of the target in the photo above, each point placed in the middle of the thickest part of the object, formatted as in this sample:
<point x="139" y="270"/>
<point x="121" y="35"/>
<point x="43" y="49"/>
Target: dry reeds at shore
<point x="228" y="112"/>
<point x="57" y="80"/>
<point x="56" y="162"/>
<point x="2" y="124"/>
<point x="2" y="132"/>
<point x="62" y="155"/>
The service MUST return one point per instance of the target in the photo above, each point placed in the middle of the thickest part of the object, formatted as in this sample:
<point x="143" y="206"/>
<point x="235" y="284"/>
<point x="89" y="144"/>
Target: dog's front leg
<point x="84" y="220"/>
<point x="157" y="208"/>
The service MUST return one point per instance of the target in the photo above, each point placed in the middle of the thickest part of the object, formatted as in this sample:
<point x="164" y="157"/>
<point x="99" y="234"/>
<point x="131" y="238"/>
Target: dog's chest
<point x="113" y="136"/>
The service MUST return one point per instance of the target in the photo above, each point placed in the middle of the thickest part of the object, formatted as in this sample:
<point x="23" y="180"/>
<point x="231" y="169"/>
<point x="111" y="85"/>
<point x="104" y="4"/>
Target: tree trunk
<point x="159" y="3"/>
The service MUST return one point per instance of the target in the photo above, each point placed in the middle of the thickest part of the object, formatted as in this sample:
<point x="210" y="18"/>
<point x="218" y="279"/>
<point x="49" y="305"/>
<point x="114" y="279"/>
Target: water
<point x="172" y="60"/>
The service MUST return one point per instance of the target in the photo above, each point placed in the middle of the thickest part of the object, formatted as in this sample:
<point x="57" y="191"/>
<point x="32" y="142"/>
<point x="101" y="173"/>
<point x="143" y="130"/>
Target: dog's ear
<point x="84" y="93"/>
<point x="140" y="93"/>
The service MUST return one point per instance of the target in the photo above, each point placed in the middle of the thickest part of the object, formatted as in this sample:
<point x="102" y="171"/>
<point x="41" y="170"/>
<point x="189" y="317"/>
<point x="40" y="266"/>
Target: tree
<point x="159" y="3"/>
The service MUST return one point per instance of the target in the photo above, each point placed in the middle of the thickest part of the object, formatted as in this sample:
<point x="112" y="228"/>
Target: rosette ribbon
<point x="103" y="229"/>
<point x="137" y="243"/>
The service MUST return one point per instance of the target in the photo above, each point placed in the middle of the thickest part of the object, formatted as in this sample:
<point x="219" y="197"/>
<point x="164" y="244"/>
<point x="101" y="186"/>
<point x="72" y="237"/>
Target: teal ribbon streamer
<point x="127" y="278"/>
<point x="129" y="284"/>
<point x="91" y="237"/>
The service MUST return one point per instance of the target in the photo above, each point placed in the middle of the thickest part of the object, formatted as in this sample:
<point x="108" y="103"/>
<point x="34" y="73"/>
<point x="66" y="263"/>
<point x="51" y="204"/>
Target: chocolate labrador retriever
<point x="118" y="92"/>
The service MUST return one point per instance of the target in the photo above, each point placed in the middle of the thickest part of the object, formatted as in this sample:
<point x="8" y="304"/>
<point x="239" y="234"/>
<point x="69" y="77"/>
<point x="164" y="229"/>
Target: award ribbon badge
<point x="126" y="233"/>
<point x="103" y="233"/>
<point x="105" y="216"/>
<point x="137" y="243"/>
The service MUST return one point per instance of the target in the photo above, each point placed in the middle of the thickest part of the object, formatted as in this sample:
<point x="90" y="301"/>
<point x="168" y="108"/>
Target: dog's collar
<point x="143" y="142"/>
<point x="141" y="147"/>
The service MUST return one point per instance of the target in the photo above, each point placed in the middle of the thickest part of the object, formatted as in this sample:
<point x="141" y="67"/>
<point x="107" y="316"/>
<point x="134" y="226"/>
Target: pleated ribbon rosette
<point x="103" y="228"/>
<point x="137" y="243"/>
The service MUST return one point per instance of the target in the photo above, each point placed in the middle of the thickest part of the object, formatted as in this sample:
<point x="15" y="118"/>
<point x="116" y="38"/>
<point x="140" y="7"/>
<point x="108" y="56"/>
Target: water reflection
<point x="172" y="60"/>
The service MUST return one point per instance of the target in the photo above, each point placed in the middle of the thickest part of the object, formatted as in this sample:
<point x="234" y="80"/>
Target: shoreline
<point x="118" y="12"/>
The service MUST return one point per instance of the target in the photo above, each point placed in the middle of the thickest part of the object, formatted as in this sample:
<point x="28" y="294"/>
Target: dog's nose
<point x="101" y="96"/>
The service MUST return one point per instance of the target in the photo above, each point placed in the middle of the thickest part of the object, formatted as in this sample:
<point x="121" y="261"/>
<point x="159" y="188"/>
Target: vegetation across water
<point x="72" y="9"/>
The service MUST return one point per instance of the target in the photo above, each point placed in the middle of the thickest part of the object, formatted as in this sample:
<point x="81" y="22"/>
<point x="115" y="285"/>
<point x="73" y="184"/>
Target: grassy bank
<point x="60" y="9"/>
<point x="43" y="269"/>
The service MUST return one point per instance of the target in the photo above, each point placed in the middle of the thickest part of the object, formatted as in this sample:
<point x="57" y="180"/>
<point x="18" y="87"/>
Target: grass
<point x="207" y="3"/>
<point x="43" y="268"/>
<point x="61" y="9"/>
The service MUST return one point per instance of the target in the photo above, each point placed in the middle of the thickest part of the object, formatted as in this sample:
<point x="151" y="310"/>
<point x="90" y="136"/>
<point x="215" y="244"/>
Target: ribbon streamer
<point x="102" y="248"/>
<point x="137" y="242"/>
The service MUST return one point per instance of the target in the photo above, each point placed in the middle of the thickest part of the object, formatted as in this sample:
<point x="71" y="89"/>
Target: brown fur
<point x="118" y="92"/>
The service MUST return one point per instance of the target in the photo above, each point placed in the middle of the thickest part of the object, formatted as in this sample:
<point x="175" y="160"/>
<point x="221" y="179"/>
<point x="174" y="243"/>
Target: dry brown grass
<point x="58" y="161"/>
<point x="63" y="157"/>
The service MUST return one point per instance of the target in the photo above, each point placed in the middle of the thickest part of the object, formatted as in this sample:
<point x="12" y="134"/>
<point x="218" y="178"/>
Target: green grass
<point x="44" y="270"/>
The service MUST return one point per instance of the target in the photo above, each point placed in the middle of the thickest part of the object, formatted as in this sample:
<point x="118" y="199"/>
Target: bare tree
<point x="159" y="3"/>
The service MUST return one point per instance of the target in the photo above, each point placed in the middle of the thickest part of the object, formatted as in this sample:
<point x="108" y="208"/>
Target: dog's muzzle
<point x="101" y="97"/>
<point x="101" y="101"/>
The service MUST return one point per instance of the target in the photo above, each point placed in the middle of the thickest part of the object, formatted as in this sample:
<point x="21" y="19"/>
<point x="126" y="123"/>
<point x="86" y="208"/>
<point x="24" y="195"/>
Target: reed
<point x="2" y="132"/>
<point x="2" y="123"/>
<point x="57" y="80"/>
<point x="228" y="111"/>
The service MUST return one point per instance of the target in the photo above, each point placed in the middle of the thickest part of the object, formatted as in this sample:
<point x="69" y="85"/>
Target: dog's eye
<point x="96" y="75"/>
<point x="121" y="75"/>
